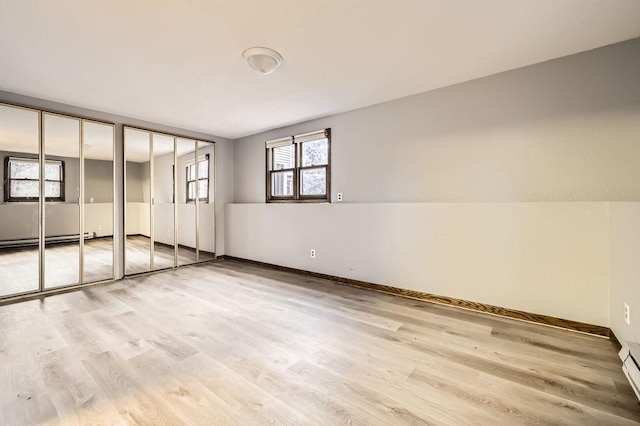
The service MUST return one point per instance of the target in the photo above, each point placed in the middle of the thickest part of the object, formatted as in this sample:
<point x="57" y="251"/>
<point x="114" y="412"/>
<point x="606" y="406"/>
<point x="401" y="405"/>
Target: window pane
<point x="191" y="172"/>
<point x="203" y="189"/>
<point x="52" y="172"/>
<point x="203" y="169"/>
<point x="52" y="190"/>
<point x="313" y="182"/>
<point x="315" y="153"/>
<point x="282" y="184"/>
<point x="25" y="188"/>
<point x="24" y="170"/>
<point x="284" y="157"/>
<point x="191" y="191"/>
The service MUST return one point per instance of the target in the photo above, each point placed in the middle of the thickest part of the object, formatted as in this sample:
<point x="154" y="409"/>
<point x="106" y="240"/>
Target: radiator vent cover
<point x="630" y="356"/>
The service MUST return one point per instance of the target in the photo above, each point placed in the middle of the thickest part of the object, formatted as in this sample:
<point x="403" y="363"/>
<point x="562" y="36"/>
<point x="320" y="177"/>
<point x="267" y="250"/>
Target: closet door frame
<point x="175" y="137"/>
<point x="41" y="290"/>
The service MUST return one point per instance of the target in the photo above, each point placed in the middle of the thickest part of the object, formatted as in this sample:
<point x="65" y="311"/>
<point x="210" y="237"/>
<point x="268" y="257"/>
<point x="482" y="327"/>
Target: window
<point x="298" y="167"/>
<point x="22" y="183"/>
<point x="198" y="177"/>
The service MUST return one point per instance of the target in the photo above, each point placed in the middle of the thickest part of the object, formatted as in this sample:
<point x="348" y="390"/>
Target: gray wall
<point x="98" y="181"/>
<point x="506" y="157"/>
<point x="224" y="151"/>
<point x="563" y="130"/>
<point x="137" y="178"/>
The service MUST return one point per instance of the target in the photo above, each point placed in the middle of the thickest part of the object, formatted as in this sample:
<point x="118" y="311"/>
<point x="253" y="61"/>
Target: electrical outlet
<point x="100" y="227"/>
<point x="339" y="196"/>
<point x="313" y="253"/>
<point x="627" y="314"/>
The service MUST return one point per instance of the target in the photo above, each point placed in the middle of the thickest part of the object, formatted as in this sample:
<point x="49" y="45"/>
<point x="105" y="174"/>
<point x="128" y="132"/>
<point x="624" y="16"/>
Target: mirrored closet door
<point x="98" y="187"/>
<point x="62" y="200"/>
<point x="57" y="202"/>
<point x="19" y="207"/>
<point x="170" y="186"/>
<point x="138" y="201"/>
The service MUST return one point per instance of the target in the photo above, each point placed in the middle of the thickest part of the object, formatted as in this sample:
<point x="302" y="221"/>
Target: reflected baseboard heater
<point x="630" y="356"/>
<point x="29" y="242"/>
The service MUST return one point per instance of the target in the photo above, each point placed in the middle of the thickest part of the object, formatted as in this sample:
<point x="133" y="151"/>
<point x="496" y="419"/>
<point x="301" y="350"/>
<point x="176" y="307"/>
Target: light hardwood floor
<point x="19" y="267"/>
<point x="231" y="343"/>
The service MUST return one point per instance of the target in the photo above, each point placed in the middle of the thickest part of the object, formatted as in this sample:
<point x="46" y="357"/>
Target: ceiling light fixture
<point x="262" y="59"/>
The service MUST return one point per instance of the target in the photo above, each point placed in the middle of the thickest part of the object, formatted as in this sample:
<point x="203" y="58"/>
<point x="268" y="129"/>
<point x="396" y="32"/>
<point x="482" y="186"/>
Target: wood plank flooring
<point x="231" y="343"/>
<point x="19" y="266"/>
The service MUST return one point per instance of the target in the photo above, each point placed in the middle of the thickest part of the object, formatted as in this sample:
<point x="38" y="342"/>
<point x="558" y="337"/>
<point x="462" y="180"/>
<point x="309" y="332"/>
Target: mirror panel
<point x="61" y="141"/>
<point x="19" y="209"/>
<point x="138" y="201"/>
<point x="98" y="201"/>
<point x="206" y="224"/>
<point x="185" y="198"/>
<point x="163" y="207"/>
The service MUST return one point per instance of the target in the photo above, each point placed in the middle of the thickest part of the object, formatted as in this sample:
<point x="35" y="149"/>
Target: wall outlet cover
<point x="627" y="314"/>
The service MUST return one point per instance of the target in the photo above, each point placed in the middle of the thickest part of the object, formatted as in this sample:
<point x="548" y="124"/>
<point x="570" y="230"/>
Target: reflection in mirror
<point x="163" y="208"/>
<point x="138" y="202"/>
<point x="186" y="182"/>
<point x="19" y="227"/>
<point x="98" y="201"/>
<point x="61" y="141"/>
<point x="206" y="228"/>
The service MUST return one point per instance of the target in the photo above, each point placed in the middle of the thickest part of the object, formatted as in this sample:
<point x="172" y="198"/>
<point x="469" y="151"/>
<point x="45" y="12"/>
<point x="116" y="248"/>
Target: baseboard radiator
<point x="630" y="356"/>
<point x="54" y="239"/>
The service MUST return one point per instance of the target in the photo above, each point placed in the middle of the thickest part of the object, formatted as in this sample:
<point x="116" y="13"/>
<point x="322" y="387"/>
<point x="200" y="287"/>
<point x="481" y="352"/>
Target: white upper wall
<point x="563" y="130"/>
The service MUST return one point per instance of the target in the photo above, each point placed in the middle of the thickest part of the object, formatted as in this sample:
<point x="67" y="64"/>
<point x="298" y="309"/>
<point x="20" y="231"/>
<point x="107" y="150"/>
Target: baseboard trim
<point x="449" y="301"/>
<point x="614" y="340"/>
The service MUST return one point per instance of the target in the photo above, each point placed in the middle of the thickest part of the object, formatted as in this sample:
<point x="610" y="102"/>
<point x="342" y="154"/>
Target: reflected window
<point x="21" y="180"/>
<point x="198" y="182"/>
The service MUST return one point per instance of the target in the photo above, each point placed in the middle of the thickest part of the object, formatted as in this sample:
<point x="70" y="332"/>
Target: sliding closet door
<point x="19" y="208"/>
<point x="186" y="194"/>
<point x="61" y="141"/>
<point x="138" y="201"/>
<point x="206" y="208"/>
<point x="98" y="143"/>
<point x="163" y="208"/>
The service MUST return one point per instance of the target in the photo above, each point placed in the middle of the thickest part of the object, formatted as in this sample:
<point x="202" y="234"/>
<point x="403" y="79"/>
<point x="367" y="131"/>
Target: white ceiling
<point x="179" y="62"/>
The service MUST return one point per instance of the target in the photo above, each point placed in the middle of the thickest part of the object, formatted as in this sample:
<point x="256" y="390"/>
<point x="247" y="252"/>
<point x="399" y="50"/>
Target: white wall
<point x="535" y="257"/>
<point x="503" y="163"/>
<point x="624" y="258"/>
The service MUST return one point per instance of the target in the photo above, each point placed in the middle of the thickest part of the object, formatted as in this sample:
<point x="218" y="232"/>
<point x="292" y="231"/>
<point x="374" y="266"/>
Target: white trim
<point x="311" y="136"/>
<point x="276" y="143"/>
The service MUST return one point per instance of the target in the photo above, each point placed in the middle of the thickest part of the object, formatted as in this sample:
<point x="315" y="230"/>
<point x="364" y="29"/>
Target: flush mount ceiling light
<point x="262" y="59"/>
